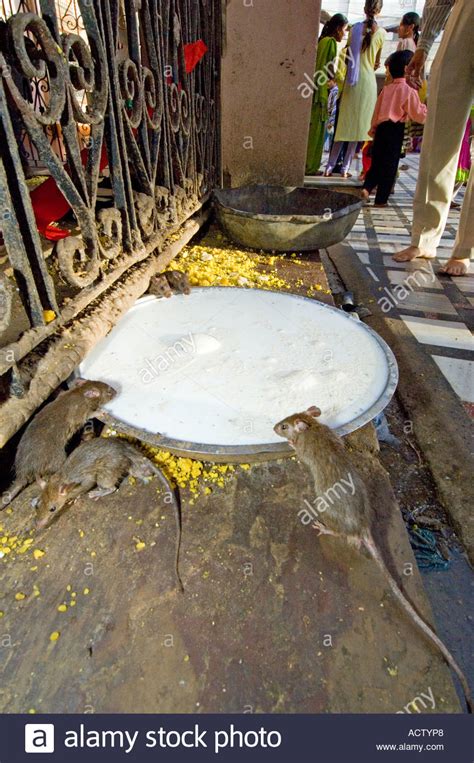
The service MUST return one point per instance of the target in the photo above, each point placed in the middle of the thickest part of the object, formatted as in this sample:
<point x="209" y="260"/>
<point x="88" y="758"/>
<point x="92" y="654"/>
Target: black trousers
<point x="386" y="151"/>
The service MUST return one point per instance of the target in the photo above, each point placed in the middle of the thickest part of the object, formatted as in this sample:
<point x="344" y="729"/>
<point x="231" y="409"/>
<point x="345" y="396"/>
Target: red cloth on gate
<point x="49" y="204"/>
<point x="193" y="52"/>
<point x="366" y="157"/>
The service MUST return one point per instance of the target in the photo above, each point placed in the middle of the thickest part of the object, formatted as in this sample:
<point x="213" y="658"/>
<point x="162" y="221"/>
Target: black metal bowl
<point x="285" y="219"/>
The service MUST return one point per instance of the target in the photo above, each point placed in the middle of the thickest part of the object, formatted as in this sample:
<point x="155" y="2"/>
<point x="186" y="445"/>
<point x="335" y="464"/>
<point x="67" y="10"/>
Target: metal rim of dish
<point x="293" y="218"/>
<point x="263" y="451"/>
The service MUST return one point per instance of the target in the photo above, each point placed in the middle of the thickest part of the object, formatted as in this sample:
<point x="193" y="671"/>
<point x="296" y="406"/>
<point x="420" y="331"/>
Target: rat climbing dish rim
<point x="261" y="451"/>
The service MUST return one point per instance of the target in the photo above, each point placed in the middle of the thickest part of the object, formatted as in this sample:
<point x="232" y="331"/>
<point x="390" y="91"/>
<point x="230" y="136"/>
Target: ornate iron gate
<point x="121" y="111"/>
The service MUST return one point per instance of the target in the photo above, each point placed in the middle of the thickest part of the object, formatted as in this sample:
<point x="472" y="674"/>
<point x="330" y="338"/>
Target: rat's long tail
<point x="427" y="630"/>
<point x="145" y="467"/>
<point x="177" y="512"/>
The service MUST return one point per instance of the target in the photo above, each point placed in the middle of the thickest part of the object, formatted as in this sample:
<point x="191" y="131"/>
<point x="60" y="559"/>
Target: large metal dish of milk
<point x="212" y="372"/>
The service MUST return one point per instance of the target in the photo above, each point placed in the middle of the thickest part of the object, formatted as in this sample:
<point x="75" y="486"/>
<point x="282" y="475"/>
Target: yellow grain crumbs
<point x="226" y="265"/>
<point x="62" y="608"/>
<point x="86" y="591"/>
<point x="25" y="546"/>
<point x="38" y="553"/>
<point x="54" y="636"/>
<point x="20" y="596"/>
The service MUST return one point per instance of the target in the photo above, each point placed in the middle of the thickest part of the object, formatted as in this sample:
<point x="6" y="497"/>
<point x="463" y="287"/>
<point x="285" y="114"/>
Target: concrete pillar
<point x="269" y="47"/>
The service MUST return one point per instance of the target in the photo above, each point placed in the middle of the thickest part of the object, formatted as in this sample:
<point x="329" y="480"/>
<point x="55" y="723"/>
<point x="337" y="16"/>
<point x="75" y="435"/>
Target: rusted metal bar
<point x="129" y="135"/>
<point x="18" y="226"/>
<point x="13" y="353"/>
<point x="73" y="341"/>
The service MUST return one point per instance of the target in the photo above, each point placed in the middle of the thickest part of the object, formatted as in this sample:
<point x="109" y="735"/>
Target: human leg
<point x="350" y="151"/>
<point x="443" y="133"/>
<point x="392" y="135"/>
<point x="333" y="156"/>
<point x="463" y="252"/>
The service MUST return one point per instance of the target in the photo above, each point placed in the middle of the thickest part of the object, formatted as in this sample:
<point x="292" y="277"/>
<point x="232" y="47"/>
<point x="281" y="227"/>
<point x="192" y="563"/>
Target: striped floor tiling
<point x="418" y="278"/>
<point x="460" y="375"/>
<point x="423" y="301"/>
<point x="466" y="283"/>
<point x="438" y="312"/>
<point x="440" y="333"/>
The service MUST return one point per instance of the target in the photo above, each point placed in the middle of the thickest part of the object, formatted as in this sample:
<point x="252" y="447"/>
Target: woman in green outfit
<point x="363" y="52"/>
<point x="326" y="55"/>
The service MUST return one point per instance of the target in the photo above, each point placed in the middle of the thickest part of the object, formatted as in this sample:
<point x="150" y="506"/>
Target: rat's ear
<point x="314" y="411"/>
<point x="301" y="425"/>
<point x="66" y="487"/>
<point x="42" y="483"/>
<point x="93" y="392"/>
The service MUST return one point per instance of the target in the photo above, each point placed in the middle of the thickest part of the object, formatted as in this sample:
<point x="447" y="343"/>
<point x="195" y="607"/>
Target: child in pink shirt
<point x="396" y="103"/>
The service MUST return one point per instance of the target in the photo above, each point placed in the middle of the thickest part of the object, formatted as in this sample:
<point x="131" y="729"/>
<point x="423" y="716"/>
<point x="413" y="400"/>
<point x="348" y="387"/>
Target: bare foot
<point x="328" y="173"/>
<point x="365" y="194"/>
<point x="346" y="175"/>
<point x="455" y="267"/>
<point x="411" y="253"/>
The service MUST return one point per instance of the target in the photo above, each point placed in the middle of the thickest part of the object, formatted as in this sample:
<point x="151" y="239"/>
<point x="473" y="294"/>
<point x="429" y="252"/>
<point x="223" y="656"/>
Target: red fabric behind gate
<point x="49" y="204"/>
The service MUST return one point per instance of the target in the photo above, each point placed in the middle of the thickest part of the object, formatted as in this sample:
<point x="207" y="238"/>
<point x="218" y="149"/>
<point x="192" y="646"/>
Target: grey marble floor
<point x="437" y="309"/>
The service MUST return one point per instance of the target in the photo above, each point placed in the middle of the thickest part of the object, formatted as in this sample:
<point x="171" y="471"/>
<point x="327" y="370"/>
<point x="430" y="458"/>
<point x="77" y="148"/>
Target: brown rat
<point x="324" y="453"/>
<point x="159" y="286"/>
<point x="41" y="450"/>
<point x="164" y="284"/>
<point x="178" y="281"/>
<point x="101" y="463"/>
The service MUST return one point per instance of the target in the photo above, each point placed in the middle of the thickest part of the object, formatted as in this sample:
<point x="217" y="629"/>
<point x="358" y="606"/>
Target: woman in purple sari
<point x="359" y="95"/>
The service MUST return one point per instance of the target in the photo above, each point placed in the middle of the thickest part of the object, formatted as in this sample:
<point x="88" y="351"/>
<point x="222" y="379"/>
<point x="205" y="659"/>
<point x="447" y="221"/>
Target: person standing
<point x="324" y="79"/>
<point x="359" y="95"/>
<point x="396" y="103"/>
<point x="450" y="98"/>
<point x="409" y="32"/>
<point x="464" y="162"/>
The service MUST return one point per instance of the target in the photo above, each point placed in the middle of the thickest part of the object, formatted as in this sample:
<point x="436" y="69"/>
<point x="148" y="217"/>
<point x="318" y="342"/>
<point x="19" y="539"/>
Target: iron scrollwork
<point x="136" y="131"/>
